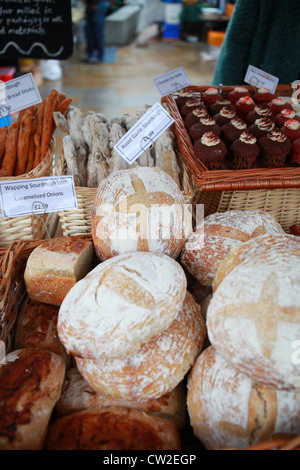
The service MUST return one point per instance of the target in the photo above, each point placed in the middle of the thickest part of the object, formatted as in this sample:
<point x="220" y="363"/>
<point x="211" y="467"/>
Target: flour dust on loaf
<point x="120" y="304"/>
<point x="229" y="410"/>
<point x="253" y="318"/>
<point x="217" y="234"/>
<point x="158" y="366"/>
<point x="139" y="209"/>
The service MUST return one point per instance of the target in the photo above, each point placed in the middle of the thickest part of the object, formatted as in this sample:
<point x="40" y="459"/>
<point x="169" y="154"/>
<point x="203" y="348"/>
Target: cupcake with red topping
<point x="263" y="95"/>
<point x="237" y="93"/>
<point x="194" y="116"/>
<point x="243" y="106"/>
<point x="224" y="116"/>
<point x="261" y="127"/>
<point x="232" y="130"/>
<point x="205" y="124"/>
<point x="244" y="151"/>
<point x="211" y="150"/>
<point x="284" y="116"/>
<point x="275" y="148"/>
<point x="278" y="104"/>
<point x="259" y="111"/>
<point x="189" y="105"/>
<point x="210" y="96"/>
<point x="216" y="107"/>
<point x="291" y="129"/>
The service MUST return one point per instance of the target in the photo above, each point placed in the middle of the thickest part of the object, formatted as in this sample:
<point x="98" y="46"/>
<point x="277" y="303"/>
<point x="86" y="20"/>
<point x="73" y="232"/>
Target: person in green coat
<point x="262" y="33"/>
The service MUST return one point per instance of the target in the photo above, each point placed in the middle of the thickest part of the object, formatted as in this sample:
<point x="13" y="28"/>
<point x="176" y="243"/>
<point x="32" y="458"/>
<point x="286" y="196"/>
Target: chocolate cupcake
<point x="284" y="116"/>
<point x="189" y="105"/>
<point x="259" y="111"/>
<point x="278" y="104"/>
<point x="216" y="107"/>
<point x="211" y="150"/>
<point x="261" y="127"/>
<point x="263" y="95"/>
<point x="295" y="153"/>
<point x="194" y="116"/>
<point x="243" y="106"/>
<point x="181" y="97"/>
<point x="224" y="116"/>
<point x="210" y="96"/>
<point x="291" y="129"/>
<point x="232" y="130"/>
<point x="244" y="151"/>
<point x="205" y="124"/>
<point x="237" y="93"/>
<point x="275" y="148"/>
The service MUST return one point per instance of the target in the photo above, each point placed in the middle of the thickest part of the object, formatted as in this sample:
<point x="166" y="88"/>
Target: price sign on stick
<point x="260" y="79"/>
<point x="172" y="81"/>
<point x="18" y="93"/>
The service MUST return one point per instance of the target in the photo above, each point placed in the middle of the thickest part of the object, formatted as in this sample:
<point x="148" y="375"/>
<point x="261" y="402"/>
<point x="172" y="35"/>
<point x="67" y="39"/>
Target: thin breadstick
<point x="23" y="144"/>
<point x="10" y="155"/>
<point x="47" y="132"/>
<point x="30" y="161"/>
<point x="3" y="135"/>
<point x="38" y="133"/>
<point x="63" y="106"/>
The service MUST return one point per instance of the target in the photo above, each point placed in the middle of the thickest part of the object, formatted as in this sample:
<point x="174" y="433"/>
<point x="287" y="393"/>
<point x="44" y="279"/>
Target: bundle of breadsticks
<point x="25" y="142"/>
<point x="89" y="141"/>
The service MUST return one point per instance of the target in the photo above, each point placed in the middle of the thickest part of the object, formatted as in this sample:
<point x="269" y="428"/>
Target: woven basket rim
<point x="228" y="180"/>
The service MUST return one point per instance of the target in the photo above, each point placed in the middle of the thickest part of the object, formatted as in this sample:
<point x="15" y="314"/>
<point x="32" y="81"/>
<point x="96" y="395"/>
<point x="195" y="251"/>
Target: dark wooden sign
<point x="36" y="29"/>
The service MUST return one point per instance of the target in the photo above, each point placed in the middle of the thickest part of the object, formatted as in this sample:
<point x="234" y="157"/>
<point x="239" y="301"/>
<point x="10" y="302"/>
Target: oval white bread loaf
<point x="253" y="318"/>
<point x="217" y="234"/>
<point x="158" y="366"/>
<point x="139" y="209"/>
<point x="253" y="246"/>
<point x="228" y="409"/>
<point x="77" y="395"/>
<point x="121" y="304"/>
<point x="55" y="266"/>
<point x="112" y="429"/>
<point x="31" y="382"/>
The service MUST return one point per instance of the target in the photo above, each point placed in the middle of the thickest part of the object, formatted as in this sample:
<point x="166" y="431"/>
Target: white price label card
<point x="37" y="196"/>
<point x="172" y="81"/>
<point x="143" y="133"/>
<point x="260" y="79"/>
<point x="18" y="93"/>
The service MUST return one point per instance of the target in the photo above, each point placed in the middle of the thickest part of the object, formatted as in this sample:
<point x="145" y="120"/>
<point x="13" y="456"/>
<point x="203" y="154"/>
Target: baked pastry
<point x="217" y="234"/>
<point x="139" y="209"/>
<point x="181" y="98"/>
<point x="211" y="150"/>
<point x="284" y="116"/>
<point x="229" y="410"/>
<point x="194" y="116"/>
<point x="77" y="395"/>
<point x="244" y="151"/>
<point x="232" y="130"/>
<point x="205" y="124"/>
<point x="253" y="318"/>
<point x="243" y="106"/>
<point x="259" y="111"/>
<point x="55" y="266"/>
<point x="291" y="128"/>
<point x="36" y="327"/>
<point x="236" y="93"/>
<point x="189" y="105"/>
<point x="275" y="148"/>
<point x="112" y="429"/>
<point x="31" y="381"/>
<point x="295" y="153"/>
<point x="278" y="104"/>
<point x="121" y="304"/>
<point x="225" y="115"/>
<point x="216" y="107"/>
<point x="211" y="95"/>
<point x="263" y="95"/>
<point x="261" y="127"/>
<point x="157" y="367"/>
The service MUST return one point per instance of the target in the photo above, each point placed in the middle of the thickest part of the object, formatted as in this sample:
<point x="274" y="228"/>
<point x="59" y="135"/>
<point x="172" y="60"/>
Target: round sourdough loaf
<point x="253" y="318"/>
<point x="217" y="234"/>
<point x="228" y="409"/>
<point x="112" y="429"/>
<point x="158" y="366"/>
<point x="121" y="304"/>
<point x="253" y="246"/>
<point x="139" y="209"/>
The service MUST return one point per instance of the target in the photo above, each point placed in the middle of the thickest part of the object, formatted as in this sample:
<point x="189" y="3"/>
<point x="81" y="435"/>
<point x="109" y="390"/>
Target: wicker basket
<point x="29" y="227"/>
<point x="78" y="221"/>
<point x="274" y="190"/>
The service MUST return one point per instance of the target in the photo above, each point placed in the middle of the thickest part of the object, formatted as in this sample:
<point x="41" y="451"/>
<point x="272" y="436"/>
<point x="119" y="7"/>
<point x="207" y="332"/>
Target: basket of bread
<point x="241" y="144"/>
<point x="88" y="154"/>
<point x="26" y="151"/>
<point x="148" y="334"/>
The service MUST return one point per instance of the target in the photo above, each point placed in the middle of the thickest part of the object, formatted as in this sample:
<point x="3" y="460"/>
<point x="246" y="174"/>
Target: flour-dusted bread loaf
<point x="217" y="234"/>
<point x="253" y="246"/>
<point x="121" y="304"/>
<point x="36" y="327"/>
<point x="158" y="366"/>
<point x="78" y="395"/>
<point x="112" y="428"/>
<point x="31" y="381"/>
<point x="54" y="267"/>
<point x="139" y="209"/>
<point x="253" y="318"/>
<point x="228" y="409"/>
